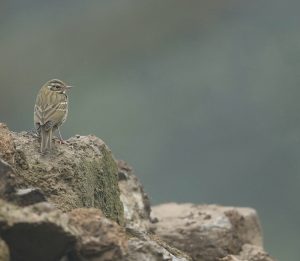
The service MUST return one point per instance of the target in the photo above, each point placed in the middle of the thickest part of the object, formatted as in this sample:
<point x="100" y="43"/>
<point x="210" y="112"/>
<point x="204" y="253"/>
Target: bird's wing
<point x="50" y="110"/>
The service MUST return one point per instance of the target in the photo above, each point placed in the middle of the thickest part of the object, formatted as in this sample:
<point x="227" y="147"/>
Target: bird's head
<point x="58" y="86"/>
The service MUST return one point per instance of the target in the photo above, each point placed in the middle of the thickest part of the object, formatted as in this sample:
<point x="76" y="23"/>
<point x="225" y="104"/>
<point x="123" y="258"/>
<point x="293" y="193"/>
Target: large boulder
<point x="80" y="173"/>
<point x="42" y="232"/>
<point x="207" y="232"/>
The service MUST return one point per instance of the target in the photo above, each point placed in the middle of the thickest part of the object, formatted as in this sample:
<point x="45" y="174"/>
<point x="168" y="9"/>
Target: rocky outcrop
<point x="209" y="232"/>
<point x="78" y="204"/>
<point x="42" y="232"/>
<point x="135" y="201"/>
<point x="80" y="173"/>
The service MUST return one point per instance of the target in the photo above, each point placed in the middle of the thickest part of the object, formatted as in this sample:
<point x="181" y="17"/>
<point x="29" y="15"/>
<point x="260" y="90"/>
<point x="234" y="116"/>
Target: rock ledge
<point x="78" y="203"/>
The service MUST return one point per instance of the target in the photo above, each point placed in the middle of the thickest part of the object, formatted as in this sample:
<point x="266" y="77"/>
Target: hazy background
<point x="201" y="97"/>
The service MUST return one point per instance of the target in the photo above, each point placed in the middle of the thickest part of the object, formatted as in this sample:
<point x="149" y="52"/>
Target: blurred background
<point x="201" y="97"/>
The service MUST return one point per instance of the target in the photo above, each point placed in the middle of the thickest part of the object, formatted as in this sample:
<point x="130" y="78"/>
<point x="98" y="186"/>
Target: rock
<point x="7" y="181"/>
<point x="7" y="148"/>
<point x="69" y="207"/>
<point x="80" y="173"/>
<point x="135" y="201"/>
<point x="29" y="196"/>
<point x="4" y="251"/>
<point x="41" y="232"/>
<point x="35" y="233"/>
<point x="249" y="253"/>
<point x="254" y="253"/>
<point x="245" y="224"/>
<point x="98" y="237"/>
<point x="147" y="248"/>
<point x="8" y="191"/>
<point x="231" y="258"/>
<point x="207" y="232"/>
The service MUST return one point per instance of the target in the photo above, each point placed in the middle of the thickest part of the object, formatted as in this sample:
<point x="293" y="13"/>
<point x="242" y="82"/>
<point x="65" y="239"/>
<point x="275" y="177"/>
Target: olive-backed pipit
<point x="50" y="111"/>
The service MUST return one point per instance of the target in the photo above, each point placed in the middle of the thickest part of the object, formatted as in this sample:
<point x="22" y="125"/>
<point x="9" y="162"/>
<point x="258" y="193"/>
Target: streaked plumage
<point x="50" y="110"/>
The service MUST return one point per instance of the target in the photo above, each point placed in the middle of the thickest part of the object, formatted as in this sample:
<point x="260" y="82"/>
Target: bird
<point x="50" y="111"/>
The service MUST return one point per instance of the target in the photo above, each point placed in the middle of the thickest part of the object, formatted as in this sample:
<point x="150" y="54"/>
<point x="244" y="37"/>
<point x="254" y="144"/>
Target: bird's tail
<point x="46" y="138"/>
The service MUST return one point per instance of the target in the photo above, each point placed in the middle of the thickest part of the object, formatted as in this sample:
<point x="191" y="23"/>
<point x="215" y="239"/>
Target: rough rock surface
<point x="29" y="196"/>
<point x="37" y="232"/>
<point x="146" y="248"/>
<point x="207" y="232"/>
<point x="80" y="173"/>
<point x="135" y="201"/>
<point x="4" y="251"/>
<point x="7" y="147"/>
<point x="80" y="180"/>
<point x="254" y="253"/>
<point x="7" y="181"/>
<point x="98" y="237"/>
<point x="41" y="232"/>
<point x="250" y="253"/>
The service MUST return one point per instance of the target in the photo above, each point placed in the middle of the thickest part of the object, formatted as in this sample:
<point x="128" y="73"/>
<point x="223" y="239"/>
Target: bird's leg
<point x="61" y="140"/>
<point x="36" y="132"/>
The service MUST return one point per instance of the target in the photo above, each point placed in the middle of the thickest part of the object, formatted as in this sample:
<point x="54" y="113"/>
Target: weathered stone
<point x="35" y="233"/>
<point x="80" y="173"/>
<point x="4" y="251"/>
<point x="40" y="232"/>
<point x="83" y="173"/>
<point x="135" y="201"/>
<point x="99" y="239"/>
<point x="249" y="253"/>
<point x="207" y="232"/>
<point x="7" y="181"/>
<point x="231" y="258"/>
<point x="29" y="196"/>
<point x="147" y="248"/>
<point x="7" y="148"/>
<point x="254" y="253"/>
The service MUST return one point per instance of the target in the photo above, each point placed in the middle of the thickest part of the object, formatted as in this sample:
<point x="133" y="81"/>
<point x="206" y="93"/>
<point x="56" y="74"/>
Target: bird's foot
<point x="61" y="141"/>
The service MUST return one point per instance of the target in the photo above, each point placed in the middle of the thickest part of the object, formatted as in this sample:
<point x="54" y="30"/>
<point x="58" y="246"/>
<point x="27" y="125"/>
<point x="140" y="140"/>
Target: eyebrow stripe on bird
<point x="56" y="82"/>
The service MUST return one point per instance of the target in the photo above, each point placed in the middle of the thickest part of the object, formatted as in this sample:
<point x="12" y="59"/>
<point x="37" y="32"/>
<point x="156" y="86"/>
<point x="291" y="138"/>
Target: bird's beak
<point x="69" y="87"/>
